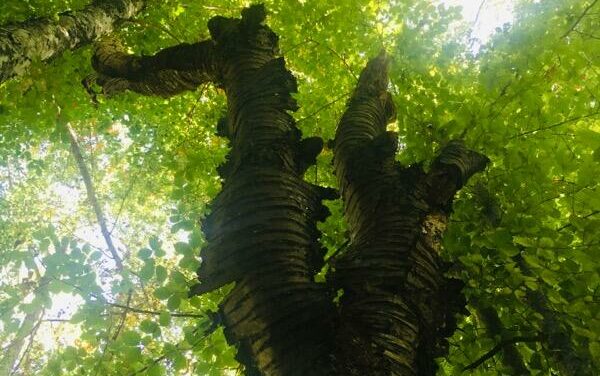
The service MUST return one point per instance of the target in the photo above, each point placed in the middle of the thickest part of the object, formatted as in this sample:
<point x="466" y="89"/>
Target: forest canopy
<point x="106" y="183"/>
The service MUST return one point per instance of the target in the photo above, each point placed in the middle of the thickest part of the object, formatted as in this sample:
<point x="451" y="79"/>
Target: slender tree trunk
<point x="45" y="38"/>
<point x="397" y="306"/>
<point x="91" y="195"/>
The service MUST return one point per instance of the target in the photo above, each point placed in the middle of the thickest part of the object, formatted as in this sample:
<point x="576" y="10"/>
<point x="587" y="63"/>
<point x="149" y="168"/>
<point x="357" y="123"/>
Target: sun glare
<point x="484" y="16"/>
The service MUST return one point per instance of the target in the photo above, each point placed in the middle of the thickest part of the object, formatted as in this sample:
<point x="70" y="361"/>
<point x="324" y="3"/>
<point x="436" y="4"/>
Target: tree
<point x="382" y="297"/>
<point x="44" y="38"/>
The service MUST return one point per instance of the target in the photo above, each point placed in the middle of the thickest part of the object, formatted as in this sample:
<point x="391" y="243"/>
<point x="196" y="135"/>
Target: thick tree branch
<point x="91" y="194"/>
<point x="166" y="73"/>
<point x="44" y="38"/>
<point x="261" y="232"/>
<point x="397" y="308"/>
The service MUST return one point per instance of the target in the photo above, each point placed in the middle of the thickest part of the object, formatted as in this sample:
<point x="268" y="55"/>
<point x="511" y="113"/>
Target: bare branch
<point x="566" y="121"/>
<point x="578" y="20"/>
<point x="91" y="194"/>
<point x="496" y="349"/>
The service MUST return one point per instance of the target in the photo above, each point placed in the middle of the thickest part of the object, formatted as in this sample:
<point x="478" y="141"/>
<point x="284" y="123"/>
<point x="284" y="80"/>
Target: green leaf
<point x="174" y="302"/>
<point x="161" y="273"/>
<point x="163" y="293"/>
<point x="154" y="243"/>
<point x="148" y="326"/>
<point x="164" y="319"/>
<point x="130" y="338"/>
<point x="145" y="253"/>
<point x="156" y="370"/>
<point x="147" y="272"/>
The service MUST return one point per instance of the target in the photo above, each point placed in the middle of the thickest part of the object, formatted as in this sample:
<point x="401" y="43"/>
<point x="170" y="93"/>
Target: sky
<point x="493" y="14"/>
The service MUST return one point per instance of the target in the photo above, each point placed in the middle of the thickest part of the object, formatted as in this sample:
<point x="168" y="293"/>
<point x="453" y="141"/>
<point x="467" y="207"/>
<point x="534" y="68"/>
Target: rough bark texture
<point x="397" y="306"/>
<point x="261" y="230"/>
<point x="45" y="38"/>
<point x="168" y="72"/>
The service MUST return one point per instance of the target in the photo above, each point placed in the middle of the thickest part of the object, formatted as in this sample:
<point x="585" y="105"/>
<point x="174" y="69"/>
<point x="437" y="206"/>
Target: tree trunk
<point x="397" y="305"/>
<point x="45" y="38"/>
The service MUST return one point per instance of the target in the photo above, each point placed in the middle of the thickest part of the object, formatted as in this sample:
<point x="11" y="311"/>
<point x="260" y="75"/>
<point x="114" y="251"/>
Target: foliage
<point x="528" y="99"/>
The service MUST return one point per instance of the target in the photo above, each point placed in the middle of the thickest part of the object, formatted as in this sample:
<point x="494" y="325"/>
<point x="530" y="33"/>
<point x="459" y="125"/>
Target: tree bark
<point x="397" y="306"/>
<point x="45" y="38"/>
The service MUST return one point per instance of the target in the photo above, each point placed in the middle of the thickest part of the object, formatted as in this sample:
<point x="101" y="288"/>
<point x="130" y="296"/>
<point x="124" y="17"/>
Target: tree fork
<point x="397" y="307"/>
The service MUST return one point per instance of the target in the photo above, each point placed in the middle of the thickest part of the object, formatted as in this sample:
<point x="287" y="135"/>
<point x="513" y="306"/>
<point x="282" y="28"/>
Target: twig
<point x="473" y="39"/>
<point x="578" y="20"/>
<point x="585" y="216"/>
<point x="148" y="312"/>
<point x="123" y="316"/>
<point x="323" y="107"/>
<point x="157" y="27"/>
<point x="336" y="54"/>
<point x="499" y="347"/>
<point x="570" y="120"/>
<point x="478" y="12"/>
<point x="91" y="194"/>
<point x="205" y="333"/>
<point x="29" y="345"/>
<point x="131" y="309"/>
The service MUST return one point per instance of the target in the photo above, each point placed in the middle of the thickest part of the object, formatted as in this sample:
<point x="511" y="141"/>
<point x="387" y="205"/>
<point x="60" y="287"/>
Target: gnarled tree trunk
<point x="397" y="306"/>
<point x="45" y="38"/>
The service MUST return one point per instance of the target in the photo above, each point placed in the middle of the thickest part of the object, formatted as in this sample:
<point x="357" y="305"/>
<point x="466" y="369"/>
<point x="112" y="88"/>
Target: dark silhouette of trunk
<point x="45" y="38"/>
<point x="397" y="307"/>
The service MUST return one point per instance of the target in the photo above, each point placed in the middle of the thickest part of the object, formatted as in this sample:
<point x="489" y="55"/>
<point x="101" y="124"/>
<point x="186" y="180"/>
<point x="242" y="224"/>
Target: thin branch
<point x="156" y="313"/>
<point x="205" y="334"/>
<point x="578" y="20"/>
<point x="584" y="217"/>
<point x="123" y="316"/>
<point x="566" y="121"/>
<point x="479" y="12"/>
<point x="490" y="354"/>
<point x="91" y="194"/>
<point x="157" y="27"/>
<point x="336" y="54"/>
<point x="131" y="309"/>
<point x="29" y="345"/>
<point x="323" y="107"/>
